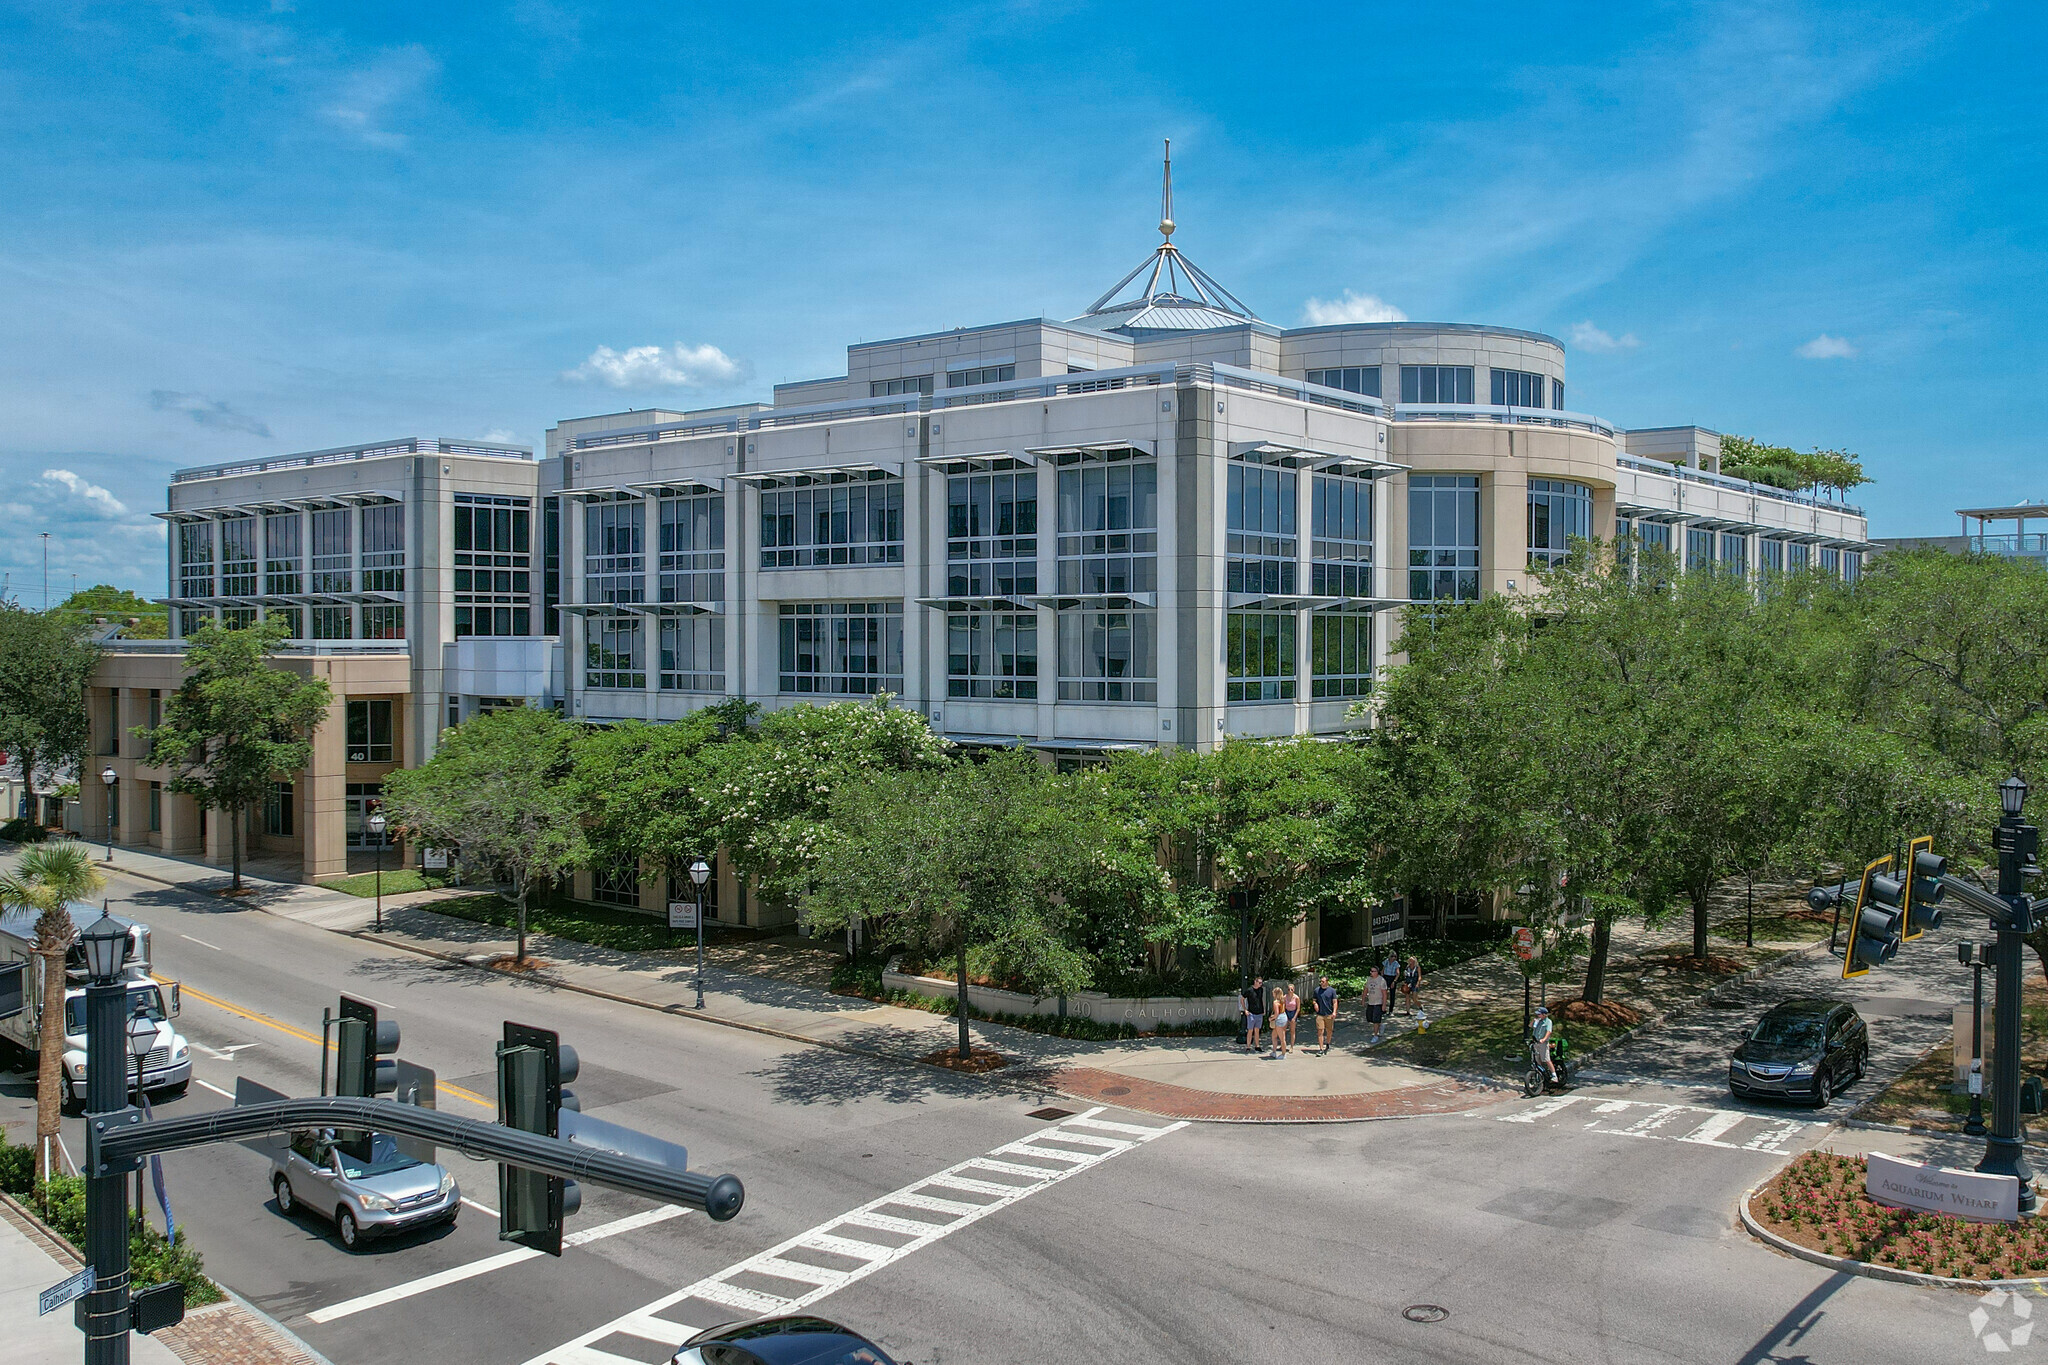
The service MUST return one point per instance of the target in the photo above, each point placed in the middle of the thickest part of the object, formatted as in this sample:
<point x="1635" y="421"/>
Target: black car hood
<point x="1774" y="1053"/>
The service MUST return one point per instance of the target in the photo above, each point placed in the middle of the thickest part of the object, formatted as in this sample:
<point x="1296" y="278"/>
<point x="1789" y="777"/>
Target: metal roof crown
<point x="1177" y="295"/>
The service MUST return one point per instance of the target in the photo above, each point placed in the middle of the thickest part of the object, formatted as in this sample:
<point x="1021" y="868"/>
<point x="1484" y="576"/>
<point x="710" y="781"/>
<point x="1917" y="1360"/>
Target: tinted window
<point x="1788" y="1030"/>
<point x="384" y="1156"/>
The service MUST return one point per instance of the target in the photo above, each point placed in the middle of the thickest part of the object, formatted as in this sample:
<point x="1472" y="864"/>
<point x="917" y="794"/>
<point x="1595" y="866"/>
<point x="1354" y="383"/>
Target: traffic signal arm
<point x="113" y="1145"/>
<point x="2002" y="913"/>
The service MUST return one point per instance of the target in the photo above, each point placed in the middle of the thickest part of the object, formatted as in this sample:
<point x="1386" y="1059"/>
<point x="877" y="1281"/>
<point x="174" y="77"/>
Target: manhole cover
<point x="1425" y="1312"/>
<point x="1050" y="1114"/>
<point x="1116" y="1090"/>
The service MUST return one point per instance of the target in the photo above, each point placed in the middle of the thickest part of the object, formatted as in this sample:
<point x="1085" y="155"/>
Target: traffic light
<point x="534" y="1067"/>
<point x="1923" y="887"/>
<point x="365" y="1066"/>
<point x="1876" y="927"/>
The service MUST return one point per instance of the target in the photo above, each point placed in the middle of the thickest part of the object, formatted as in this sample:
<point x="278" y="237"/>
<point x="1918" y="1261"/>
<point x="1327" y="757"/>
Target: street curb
<point x="1908" y="1130"/>
<point x="1865" y="1268"/>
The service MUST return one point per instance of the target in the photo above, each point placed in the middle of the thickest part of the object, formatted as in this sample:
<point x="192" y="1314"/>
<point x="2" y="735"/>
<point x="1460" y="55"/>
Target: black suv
<point x="1802" y="1049"/>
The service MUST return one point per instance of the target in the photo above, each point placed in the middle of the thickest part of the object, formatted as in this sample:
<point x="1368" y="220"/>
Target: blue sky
<point x="240" y="229"/>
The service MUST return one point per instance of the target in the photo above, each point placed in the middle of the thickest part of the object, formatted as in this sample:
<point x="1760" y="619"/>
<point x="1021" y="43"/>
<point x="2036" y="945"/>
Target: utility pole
<point x="46" y="569"/>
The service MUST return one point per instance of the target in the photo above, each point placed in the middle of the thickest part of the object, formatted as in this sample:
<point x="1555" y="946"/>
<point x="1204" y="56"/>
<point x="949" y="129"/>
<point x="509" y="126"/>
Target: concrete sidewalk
<point x="26" y="1270"/>
<point x="1210" y="1078"/>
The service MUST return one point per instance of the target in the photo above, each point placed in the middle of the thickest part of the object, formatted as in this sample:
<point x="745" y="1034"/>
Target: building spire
<point x="1166" y="196"/>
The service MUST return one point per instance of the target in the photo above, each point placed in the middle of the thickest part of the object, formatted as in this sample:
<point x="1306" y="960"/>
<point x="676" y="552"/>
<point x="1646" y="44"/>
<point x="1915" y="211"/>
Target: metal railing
<point x="2010" y="543"/>
<point x="295" y="648"/>
<point x="1515" y="416"/>
<point x="408" y="445"/>
<point x="1760" y="490"/>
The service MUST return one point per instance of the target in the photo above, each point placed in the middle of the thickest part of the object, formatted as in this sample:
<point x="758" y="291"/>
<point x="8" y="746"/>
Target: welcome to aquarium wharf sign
<point x="1942" y="1189"/>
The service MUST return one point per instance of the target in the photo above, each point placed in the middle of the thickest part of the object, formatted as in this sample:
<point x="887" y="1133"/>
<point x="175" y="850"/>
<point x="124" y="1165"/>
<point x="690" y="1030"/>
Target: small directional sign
<point x="77" y="1287"/>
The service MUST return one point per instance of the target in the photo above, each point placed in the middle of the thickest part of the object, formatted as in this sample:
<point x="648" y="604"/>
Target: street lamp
<point x="700" y="872"/>
<point x="1976" y="957"/>
<point x="2012" y="795"/>
<point x="375" y="824"/>
<point x="2015" y="842"/>
<point x="105" y="1316"/>
<point x="110" y="777"/>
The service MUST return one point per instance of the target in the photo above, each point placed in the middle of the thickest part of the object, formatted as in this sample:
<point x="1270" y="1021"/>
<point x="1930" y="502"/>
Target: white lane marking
<point x="224" y="1094"/>
<point x="457" y="1274"/>
<point x="1773" y="1138"/>
<point x="1541" y="1111"/>
<point x="225" y="1054"/>
<point x="378" y="1003"/>
<point x="1708" y="1134"/>
<point x="834" y="1236"/>
<point x="200" y="941"/>
<point x="1643" y="1126"/>
<point x="488" y="1213"/>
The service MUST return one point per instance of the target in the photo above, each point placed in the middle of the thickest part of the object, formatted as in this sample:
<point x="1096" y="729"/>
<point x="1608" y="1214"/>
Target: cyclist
<point x="1539" y="1040"/>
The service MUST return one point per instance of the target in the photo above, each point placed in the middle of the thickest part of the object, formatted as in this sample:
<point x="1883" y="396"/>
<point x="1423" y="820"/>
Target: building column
<point x="322" y="793"/>
<point x="181" y="823"/>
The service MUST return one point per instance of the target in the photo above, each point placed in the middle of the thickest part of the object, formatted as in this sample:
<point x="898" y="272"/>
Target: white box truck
<point x="168" y="1064"/>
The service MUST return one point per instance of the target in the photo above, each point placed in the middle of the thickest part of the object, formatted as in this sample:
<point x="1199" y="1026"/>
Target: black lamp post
<point x="141" y="1038"/>
<point x="2005" y="1151"/>
<point x="110" y="777"/>
<point x="700" y="872"/>
<point x="1976" y="957"/>
<point x="103" y="1315"/>
<point x="375" y="824"/>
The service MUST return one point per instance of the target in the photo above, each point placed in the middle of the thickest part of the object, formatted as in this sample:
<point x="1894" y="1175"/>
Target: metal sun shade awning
<point x="769" y="478"/>
<point x="1110" y="601"/>
<point x="365" y="498"/>
<point x="1139" y="445"/>
<point x="642" y="608"/>
<point x="1251" y="601"/>
<point x="676" y="488"/>
<point x="1323" y="461"/>
<point x="1018" y="603"/>
<point x="978" y="461"/>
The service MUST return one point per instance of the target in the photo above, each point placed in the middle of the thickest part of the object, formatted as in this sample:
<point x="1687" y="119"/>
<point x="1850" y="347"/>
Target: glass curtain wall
<point x="1108" y="547"/>
<point x="992" y="654"/>
<point x="615" y="552"/>
<point x="238" y="557"/>
<point x="195" y="559"/>
<point x="841" y="648"/>
<point x="1259" y="655"/>
<point x="1261" y="533"/>
<point x="384" y="548"/>
<point x="1340" y="654"/>
<point x="1340" y="537"/>
<point x="282" y="548"/>
<point x="1443" y="537"/>
<point x="833" y="519"/>
<point x="333" y="551"/>
<point x="493" y="565"/>
<point x="992" y="533"/>
<point x="1559" y="513"/>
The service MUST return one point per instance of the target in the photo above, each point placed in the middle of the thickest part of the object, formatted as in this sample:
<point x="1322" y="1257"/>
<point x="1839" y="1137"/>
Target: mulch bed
<point x="1713" y="963"/>
<point x="978" y="1059"/>
<point x="1607" y="1014"/>
<point x="509" y="963"/>
<point x="1818" y="1202"/>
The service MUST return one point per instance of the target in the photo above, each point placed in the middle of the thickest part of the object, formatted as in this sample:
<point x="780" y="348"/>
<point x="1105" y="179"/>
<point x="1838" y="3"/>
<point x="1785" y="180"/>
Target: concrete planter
<point x="1103" y="1009"/>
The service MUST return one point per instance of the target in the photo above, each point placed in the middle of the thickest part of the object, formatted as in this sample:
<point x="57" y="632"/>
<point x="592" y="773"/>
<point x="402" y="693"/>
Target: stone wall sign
<point x="1942" y="1189"/>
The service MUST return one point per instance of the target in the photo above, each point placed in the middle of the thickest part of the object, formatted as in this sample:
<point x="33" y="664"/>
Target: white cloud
<point x="1587" y="337"/>
<point x="207" y="412"/>
<point x="498" y="435"/>
<point x="367" y="96"/>
<point x="91" y="492"/>
<point x="646" y="367"/>
<point x="1352" y="307"/>
<point x="1825" y="347"/>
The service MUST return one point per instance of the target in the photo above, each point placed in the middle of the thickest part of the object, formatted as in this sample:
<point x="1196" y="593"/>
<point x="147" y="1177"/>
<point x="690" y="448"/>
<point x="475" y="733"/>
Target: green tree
<point x="45" y="880"/>
<point x="952" y="864"/>
<point x="642" y="788"/>
<point x="768" y="798"/>
<point x="46" y="663"/>
<point x="500" y="789"/>
<point x="139" y="618"/>
<point x="237" y="723"/>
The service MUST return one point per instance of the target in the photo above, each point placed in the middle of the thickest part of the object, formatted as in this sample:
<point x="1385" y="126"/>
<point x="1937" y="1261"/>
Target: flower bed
<point x="1818" y="1202"/>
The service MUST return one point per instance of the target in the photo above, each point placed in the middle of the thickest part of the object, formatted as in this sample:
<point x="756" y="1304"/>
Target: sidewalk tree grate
<point x="1116" y="1090"/>
<point x="1425" y="1312"/>
<point x="1049" y="1113"/>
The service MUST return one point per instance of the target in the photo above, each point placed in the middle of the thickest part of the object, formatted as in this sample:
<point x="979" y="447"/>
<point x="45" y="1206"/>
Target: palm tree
<point x="45" y="878"/>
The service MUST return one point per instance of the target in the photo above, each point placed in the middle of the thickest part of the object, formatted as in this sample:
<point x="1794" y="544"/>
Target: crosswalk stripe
<point x="985" y="1163"/>
<point x="1708" y="1133"/>
<point x="961" y="1182"/>
<point x="1541" y="1111"/>
<point x="719" y="1289"/>
<point x="1090" y="1140"/>
<point x="648" y="1327"/>
<point x="783" y="1268"/>
<point x="1048" y="1153"/>
<point x="1768" y="1140"/>
<point x="1108" y="1127"/>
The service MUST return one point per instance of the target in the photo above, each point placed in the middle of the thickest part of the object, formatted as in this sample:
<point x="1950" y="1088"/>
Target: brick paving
<point x="1447" y="1096"/>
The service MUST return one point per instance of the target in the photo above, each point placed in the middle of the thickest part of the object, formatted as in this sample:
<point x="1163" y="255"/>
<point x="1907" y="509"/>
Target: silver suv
<point x="391" y="1192"/>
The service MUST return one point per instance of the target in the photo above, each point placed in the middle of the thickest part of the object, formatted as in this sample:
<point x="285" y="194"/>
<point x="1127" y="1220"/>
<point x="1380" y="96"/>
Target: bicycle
<point x="1534" y="1082"/>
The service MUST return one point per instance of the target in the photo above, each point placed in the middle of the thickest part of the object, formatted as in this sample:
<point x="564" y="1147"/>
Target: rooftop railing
<point x="1759" y="490"/>
<point x="294" y="648"/>
<point x="1516" y="416"/>
<point x="2010" y="543"/>
<point x="405" y="445"/>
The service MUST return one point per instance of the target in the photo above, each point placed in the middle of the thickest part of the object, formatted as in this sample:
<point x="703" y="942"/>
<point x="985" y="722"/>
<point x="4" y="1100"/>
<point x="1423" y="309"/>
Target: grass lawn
<point x="594" y="924"/>
<point x="1484" y="1041"/>
<point x="1780" y="925"/>
<point x="397" y="881"/>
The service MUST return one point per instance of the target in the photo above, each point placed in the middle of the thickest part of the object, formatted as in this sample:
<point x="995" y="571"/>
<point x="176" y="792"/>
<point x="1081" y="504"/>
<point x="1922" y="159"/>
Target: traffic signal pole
<point x="2005" y="1152"/>
<point x="104" y="1312"/>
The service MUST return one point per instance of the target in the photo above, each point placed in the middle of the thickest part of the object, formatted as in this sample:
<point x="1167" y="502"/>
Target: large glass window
<point x="385" y="621"/>
<point x="1735" y="553"/>
<point x="693" y="548"/>
<point x="1108" y="523"/>
<point x="1260" y="524"/>
<point x="615" y="653"/>
<point x="1557" y="394"/>
<point x="1852" y="565"/>
<point x="1517" y="389"/>
<point x="1443" y="537"/>
<point x="293" y="617"/>
<point x="331" y="623"/>
<point x="1363" y="379"/>
<point x="384" y="547"/>
<point x="890" y="388"/>
<point x="1109" y="656"/>
<point x="616" y="881"/>
<point x="614" y="552"/>
<point x="195" y="559"/>
<point x="833" y="519"/>
<point x="1340" y="654"/>
<point x="842" y="648"/>
<point x="1798" y="556"/>
<point x="333" y="567"/>
<point x="1831" y="561"/>
<point x="1654" y="533"/>
<point x="238" y="557"/>
<point x="493" y="564"/>
<point x="237" y="618"/>
<point x="981" y="374"/>
<point x="1699" y="548"/>
<point x="992" y="654"/>
<point x="369" y="732"/>
<point x="281" y="550"/>
<point x="693" y="654"/>
<point x="1340" y="537"/>
<point x="190" y="619"/>
<point x="277" y="810"/>
<point x="992" y="534"/>
<point x="359" y="799"/>
<point x="1259" y="652"/>
<point x="551" y="566"/>
<point x="1771" y="554"/>
<point x="1559" y="513"/>
<point x="1436" y="383"/>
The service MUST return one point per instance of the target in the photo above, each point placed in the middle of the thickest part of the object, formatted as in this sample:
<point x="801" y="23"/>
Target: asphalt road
<point x="1599" y="1229"/>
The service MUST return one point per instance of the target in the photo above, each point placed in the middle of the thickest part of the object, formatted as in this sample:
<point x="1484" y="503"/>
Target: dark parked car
<point x="780" y="1341"/>
<point x="1802" y="1049"/>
